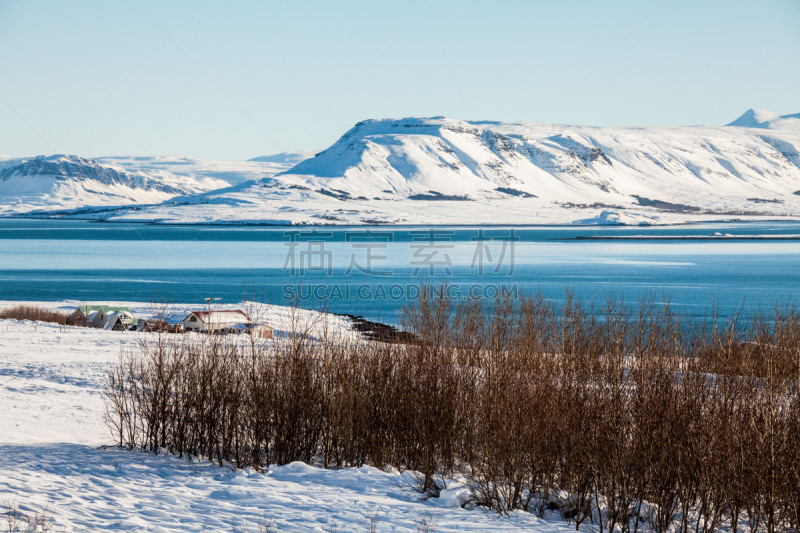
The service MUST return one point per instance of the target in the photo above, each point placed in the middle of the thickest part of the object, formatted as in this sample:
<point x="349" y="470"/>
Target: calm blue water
<point x="375" y="272"/>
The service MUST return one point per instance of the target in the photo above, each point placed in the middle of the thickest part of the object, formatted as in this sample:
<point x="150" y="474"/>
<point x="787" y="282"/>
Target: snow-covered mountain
<point x="285" y="158"/>
<point x="232" y="172"/>
<point x="57" y="182"/>
<point x="63" y="182"/>
<point x="759" y="118"/>
<point x="445" y="171"/>
<point x="440" y="170"/>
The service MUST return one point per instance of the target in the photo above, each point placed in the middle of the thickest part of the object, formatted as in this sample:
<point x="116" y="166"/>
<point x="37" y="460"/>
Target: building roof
<point x="158" y="324"/>
<point x="86" y="309"/>
<point x="117" y="316"/>
<point x="159" y="321"/>
<point x="249" y="327"/>
<point x="220" y="316"/>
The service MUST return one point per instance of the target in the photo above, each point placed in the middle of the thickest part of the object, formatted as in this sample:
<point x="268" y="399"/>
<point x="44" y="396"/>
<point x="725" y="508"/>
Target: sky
<point x="235" y="80"/>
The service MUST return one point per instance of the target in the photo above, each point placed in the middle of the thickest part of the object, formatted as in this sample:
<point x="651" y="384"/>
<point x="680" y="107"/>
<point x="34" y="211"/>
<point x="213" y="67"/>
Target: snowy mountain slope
<point x="439" y="170"/>
<point x="759" y="118"/>
<point x="68" y="181"/>
<point x="232" y="172"/>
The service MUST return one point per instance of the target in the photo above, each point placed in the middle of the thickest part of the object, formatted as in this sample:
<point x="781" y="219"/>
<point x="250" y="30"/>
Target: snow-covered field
<point x="55" y="452"/>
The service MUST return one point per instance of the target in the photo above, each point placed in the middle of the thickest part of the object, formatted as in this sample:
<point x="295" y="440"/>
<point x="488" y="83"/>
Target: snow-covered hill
<point x="758" y="118"/>
<point x="440" y="170"/>
<point x="232" y="172"/>
<point x="288" y="159"/>
<point x="58" y="182"/>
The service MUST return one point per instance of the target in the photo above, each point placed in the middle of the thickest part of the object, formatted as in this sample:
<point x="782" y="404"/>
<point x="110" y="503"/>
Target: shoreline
<point x="766" y="219"/>
<point x="682" y="238"/>
<point x="366" y="329"/>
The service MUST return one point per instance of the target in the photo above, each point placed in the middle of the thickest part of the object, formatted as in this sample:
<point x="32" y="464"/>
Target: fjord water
<point x="375" y="271"/>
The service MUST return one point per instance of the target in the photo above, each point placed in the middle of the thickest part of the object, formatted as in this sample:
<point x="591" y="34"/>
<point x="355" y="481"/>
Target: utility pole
<point x="208" y="301"/>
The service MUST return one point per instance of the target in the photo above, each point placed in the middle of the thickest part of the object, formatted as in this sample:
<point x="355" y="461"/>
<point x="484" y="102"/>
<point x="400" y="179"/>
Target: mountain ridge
<point x="59" y="181"/>
<point x="440" y="170"/>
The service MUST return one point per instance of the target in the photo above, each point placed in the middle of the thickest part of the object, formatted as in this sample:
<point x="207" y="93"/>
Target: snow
<point x="613" y="218"/>
<point x="91" y="488"/>
<point x="231" y="172"/>
<point x="55" y="453"/>
<point x="759" y="118"/>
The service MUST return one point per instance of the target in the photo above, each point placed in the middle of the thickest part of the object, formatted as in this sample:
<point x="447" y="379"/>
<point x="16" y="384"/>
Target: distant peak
<point x="63" y="158"/>
<point x="761" y="118"/>
<point x="285" y="157"/>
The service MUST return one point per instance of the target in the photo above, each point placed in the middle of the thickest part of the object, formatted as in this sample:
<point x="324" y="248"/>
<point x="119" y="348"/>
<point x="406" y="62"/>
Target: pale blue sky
<point x="236" y="80"/>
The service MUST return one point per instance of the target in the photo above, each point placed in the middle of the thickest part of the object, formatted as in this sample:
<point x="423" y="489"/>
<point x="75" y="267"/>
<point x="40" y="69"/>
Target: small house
<point x="235" y="329"/>
<point x="119" y="321"/>
<point x="261" y="331"/>
<point x="213" y="321"/>
<point x="96" y="316"/>
<point x="157" y="325"/>
<point x="83" y="314"/>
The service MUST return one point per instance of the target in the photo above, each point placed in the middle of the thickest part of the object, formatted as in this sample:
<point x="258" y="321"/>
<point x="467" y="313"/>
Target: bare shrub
<point x="425" y="523"/>
<point x="374" y="520"/>
<point x="261" y="526"/>
<point x="626" y="417"/>
<point x="19" y="521"/>
<point x="34" y="313"/>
